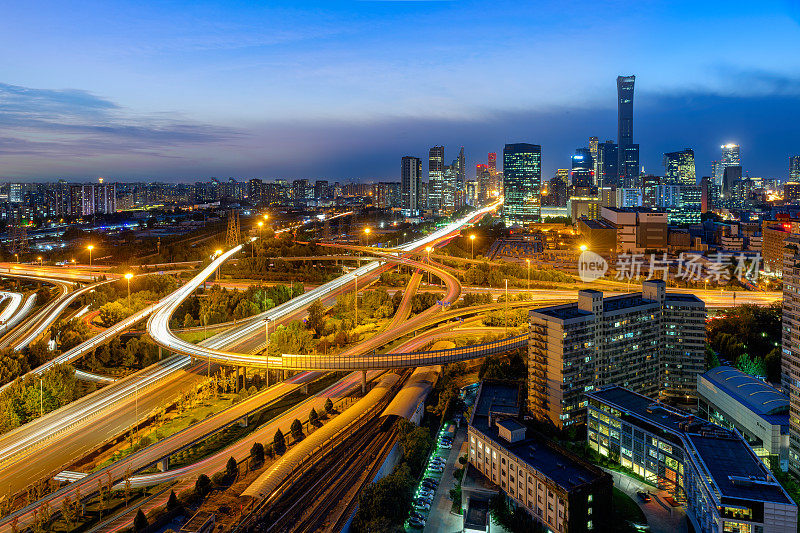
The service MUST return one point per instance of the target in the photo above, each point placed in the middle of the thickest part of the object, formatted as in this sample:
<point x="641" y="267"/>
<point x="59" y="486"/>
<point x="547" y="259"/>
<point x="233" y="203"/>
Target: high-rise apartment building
<point x="435" y="176"/>
<point x="411" y="184"/>
<point x="651" y="342"/>
<point x="790" y="349"/>
<point x="492" y="160"/>
<point x="628" y="152"/>
<point x="522" y="179"/>
<point x="483" y="177"/>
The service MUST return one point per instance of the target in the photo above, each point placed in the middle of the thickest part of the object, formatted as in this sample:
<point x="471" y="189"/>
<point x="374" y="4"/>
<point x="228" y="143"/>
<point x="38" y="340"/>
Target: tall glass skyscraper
<point x="435" y="176"/>
<point x="681" y="194"/>
<point x="730" y="158"/>
<point x="794" y="168"/>
<point x="679" y="168"/>
<point x="627" y="156"/>
<point x="522" y="170"/>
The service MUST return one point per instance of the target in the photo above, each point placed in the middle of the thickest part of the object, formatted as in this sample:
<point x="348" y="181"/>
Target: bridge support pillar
<point x="304" y="389"/>
<point x="163" y="464"/>
<point x="363" y="382"/>
<point x="266" y="377"/>
<point x="237" y="378"/>
<point x="159" y="353"/>
<point x="243" y="421"/>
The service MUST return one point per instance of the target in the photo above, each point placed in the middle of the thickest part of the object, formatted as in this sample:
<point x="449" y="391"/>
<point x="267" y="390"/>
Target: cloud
<point x="50" y="125"/>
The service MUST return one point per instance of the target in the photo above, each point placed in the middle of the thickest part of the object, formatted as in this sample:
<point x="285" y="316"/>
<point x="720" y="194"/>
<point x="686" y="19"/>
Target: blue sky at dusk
<point x="342" y="90"/>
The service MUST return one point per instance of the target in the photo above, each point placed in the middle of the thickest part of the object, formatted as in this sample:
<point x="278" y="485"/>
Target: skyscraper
<point x="680" y="192"/>
<point x="679" y="168"/>
<point x="730" y="157"/>
<point x="582" y="169"/>
<point x="411" y="184"/>
<point x="627" y="156"/>
<point x="790" y="356"/>
<point x="461" y="171"/>
<point x="522" y="171"/>
<point x="435" y="176"/>
<point x="794" y="168"/>
<point x="607" y="160"/>
<point x="483" y="175"/>
<point x="492" y="159"/>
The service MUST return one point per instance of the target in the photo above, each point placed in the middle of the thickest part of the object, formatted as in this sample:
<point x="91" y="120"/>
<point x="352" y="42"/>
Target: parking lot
<point x="434" y="485"/>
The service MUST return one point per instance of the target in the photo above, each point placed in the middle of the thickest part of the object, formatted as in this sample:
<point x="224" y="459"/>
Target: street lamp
<point x="472" y="243"/>
<point x="217" y="254"/>
<point x="529" y="274"/>
<point x="429" y="249"/>
<point x="584" y="247"/>
<point x="260" y="227"/>
<point x="356" y="300"/>
<point x="366" y="232"/>
<point x="17" y="256"/>
<point x="40" y="260"/>
<point x="505" y="305"/>
<point x="128" y="277"/>
<point x="90" y="248"/>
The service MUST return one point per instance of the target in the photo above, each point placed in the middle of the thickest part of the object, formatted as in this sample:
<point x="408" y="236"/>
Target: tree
<point x="279" y="443"/>
<point x="316" y="318"/>
<point x="329" y="406"/>
<point x="172" y="502"/>
<point x="231" y="468"/>
<point x="313" y="417"/>
<point x="297" y="429"/>
<point x="257" y="452"/>
<point x="140" y="522"/>
<point x="203" y="485"/>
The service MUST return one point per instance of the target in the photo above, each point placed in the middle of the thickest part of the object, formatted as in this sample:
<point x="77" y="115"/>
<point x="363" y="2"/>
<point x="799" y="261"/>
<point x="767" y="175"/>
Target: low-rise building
<point x="559" y="489"/>
<point x="712" y="471"/>
<point x="730" y="398"/>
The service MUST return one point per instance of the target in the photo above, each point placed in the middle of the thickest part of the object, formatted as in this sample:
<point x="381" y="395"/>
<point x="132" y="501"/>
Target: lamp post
<point x="366" y="233"/>
<point x="505" y="305"/>
<point x="17" y="256"/>
<point x="128" y="277"/>
<point x="260" y="227"/>
<point x="429" y="249"/>
<point x="355" y="298"/>
<point x="217" y="254"/>
<point x="472" y="244"/>
<point x="40" y="260"/>
<point x="90" y="248"/>
<point x="529" y="274"/>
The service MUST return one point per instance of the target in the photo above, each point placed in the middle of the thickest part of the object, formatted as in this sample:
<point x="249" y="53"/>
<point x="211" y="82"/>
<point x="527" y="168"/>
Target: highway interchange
<point x="114" y="409"/>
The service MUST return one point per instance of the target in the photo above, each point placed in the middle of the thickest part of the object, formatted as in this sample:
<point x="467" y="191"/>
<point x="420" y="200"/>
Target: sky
<point x="182" y="91"/>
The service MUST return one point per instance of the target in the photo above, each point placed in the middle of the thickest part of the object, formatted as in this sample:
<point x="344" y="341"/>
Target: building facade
<point x="721" y="483"/>
<point x="411" y="187"/>
<point x="652" y="342"/>
<point x="522" y="179"/>
<point x="561" y="491"/>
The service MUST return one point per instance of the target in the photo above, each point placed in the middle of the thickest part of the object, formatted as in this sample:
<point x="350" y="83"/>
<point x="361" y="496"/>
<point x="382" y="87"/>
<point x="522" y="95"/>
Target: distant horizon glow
<point x="342" y="90"/>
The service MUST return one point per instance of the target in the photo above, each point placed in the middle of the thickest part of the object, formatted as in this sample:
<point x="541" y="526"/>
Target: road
<point x="120" y="396"/>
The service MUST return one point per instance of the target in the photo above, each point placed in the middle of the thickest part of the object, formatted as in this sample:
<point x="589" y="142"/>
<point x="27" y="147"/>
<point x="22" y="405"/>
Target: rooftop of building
<point x="736" y="470"/>
<point x="596" y="224"/>
<point x="565" y="469"/>
<point x="749" y="391"/>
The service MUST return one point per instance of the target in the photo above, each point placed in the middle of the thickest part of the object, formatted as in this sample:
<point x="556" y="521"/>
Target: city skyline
<point x="201" y="98"/>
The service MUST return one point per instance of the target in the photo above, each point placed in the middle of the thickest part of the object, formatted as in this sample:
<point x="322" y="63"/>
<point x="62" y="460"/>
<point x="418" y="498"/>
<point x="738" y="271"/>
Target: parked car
<point x="422" y="506"/>
<point x="416" y="514"/>
<point x="416" y="523"/>
<point x="644" y="497"/>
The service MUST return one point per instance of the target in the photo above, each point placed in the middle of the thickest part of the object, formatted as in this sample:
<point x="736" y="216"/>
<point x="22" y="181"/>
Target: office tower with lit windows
<point x="411" y="188"/>
<point x="435" y="176"/>
<point x="652" y="342"/>
<point x="628" y="153"/>
<point x="492" y="160"/>
<point x="582" y="171"/>
<point x="483" y="177"/>
<point x="730" y="157"/>
<point x="794" y="168"/>
<point x="679" y="168"/>
<point x="522" y="171"/>
<point x="606" y="165"/>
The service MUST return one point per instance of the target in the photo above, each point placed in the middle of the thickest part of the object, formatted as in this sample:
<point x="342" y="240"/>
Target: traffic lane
<point x="59" y="452"/>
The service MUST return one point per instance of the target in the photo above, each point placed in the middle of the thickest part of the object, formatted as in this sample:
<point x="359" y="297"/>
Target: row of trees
<point x="383" y="505"/>
<point x="135" y="353"/>
<point x="26" y="398"/>
<point x="749" y="337"/>
<point x="219" y="304"/>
